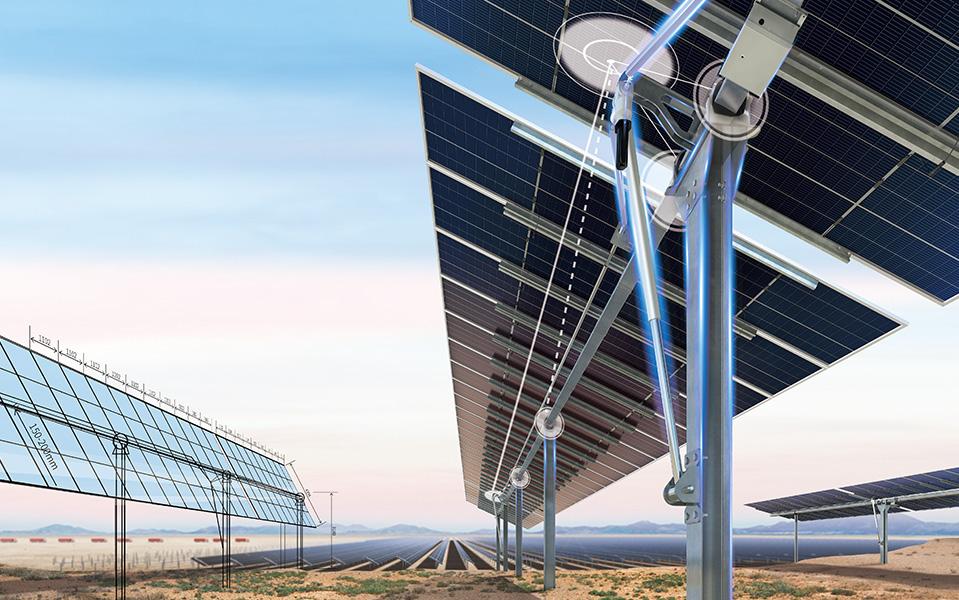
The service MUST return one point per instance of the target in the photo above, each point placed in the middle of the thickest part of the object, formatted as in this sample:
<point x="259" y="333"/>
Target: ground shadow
<point x="884" y="574"/>
<point x="35" y="581"/>
<point x="65" y="583"/>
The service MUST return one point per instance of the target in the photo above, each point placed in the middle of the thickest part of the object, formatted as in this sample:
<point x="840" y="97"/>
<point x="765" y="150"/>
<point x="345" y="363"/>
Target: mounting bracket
<point x="685" y="492"/>
<point x="659" y="100"/>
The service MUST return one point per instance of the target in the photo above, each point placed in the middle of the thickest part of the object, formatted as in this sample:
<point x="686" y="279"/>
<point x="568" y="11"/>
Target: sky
<point x="228" y="200"/>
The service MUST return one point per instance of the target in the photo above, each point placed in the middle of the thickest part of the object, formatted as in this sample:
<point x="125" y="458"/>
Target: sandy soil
<point x="933" y="565"/>
<point x="917" y="572"/>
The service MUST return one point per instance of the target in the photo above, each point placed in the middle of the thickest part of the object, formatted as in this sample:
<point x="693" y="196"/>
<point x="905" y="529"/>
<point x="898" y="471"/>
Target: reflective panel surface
<point x="57" y="430"/>
<point x="501" y="204"/>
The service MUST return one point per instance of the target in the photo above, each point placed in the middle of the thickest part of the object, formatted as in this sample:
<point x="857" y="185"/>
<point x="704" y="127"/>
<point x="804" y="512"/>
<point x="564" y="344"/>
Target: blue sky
<point x="230" y="199"/>
<point x="178" y="129"/>
<point x="182" y="128"/>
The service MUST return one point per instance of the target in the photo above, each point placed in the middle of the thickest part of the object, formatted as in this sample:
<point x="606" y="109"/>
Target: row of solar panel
<point x="499" y="205"/>
<point x="811" y="163"/>
<point x="57" y="428"/>
<point x="477" y="143"/>
<point x="831" y="502"/>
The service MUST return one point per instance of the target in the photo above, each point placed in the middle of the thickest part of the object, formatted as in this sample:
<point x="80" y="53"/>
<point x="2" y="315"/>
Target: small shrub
<point x="608" y="594"/>
<point x="768" y="589"/>
<point x="664" y="582"/>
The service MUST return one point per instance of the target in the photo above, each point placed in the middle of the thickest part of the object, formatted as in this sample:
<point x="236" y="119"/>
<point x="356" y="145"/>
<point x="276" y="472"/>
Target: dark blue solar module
<point x="371" y="553"/>
<point x="495" y="269"/>
<point x="853" y="500"/>
<point x="811" y="162"/>
<point x="625" y="551"/>
<point x="886" y="51"/>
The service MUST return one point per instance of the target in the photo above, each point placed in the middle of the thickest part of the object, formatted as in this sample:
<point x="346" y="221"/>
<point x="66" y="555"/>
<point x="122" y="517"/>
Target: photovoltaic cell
<point x="853" y="500"/>
<point x="57" y="429"/>
<point x="495" y="269"/>
<point x="811" y="163"/>
<point x="889" y="52"/>
<point x="815" y="321"/>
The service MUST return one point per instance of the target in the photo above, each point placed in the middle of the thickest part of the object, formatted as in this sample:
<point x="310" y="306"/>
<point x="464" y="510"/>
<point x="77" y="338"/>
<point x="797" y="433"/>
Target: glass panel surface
<point x="57" y="429"/>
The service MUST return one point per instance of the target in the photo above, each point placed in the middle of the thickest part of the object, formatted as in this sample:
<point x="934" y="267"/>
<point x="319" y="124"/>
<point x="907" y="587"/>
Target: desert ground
<point x="929" y="571"/>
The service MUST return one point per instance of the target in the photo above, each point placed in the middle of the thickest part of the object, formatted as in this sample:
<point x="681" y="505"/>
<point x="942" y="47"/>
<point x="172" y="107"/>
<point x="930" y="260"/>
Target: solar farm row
<point x="615" y="552"/>
<point x="367" y="555"/>
<point x="854" y="500"/>
<point x="572" y="552"/>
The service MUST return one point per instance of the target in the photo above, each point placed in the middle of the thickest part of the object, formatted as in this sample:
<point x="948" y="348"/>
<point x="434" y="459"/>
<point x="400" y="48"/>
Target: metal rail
<point x="866" y="502"/>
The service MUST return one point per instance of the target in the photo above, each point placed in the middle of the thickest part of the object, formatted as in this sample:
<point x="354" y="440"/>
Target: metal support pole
<point x="796" y="538"/>
<point x="300" y="501"/>
<point x="883" y="533"/>
<point x="518" y="516"/>
<point x="499" y="560"/>
<point x="226" y="558"/>
<point x="332" y="529"/>
<point x="505" y="540"/>
<point x="332" y="526"/>
<point x="709" y="264"/>
<point x="549" y="514"/>
<point x="121" y="451"/>
<point x="499" y="542"/>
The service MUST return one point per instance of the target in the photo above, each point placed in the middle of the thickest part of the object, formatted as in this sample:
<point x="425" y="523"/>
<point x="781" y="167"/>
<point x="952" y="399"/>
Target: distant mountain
<point x="212" y="530"/>
<point x="244" y="530"/>
<point x="343" y="529"/>
<point x="644" y="527"/>
<point x="55" y="529"/>
<point x="402" y="529"/>
<point x="899" y="524"/>
<point x="399" y="529"/>
<point x="154" y="532"/>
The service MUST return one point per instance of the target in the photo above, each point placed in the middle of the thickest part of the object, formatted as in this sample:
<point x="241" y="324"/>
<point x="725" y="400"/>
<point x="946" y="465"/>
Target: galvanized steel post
<point x="549" y="514"/>
<point x="518" y="516"/>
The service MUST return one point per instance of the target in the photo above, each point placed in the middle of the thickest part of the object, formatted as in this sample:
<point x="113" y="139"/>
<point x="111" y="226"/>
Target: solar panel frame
<point x="881" y="49"/>
<point x="482" y="272"/>
<point x="832" y="208"/>
<point x="73" y="419"/>
<point x="858" y="499"/>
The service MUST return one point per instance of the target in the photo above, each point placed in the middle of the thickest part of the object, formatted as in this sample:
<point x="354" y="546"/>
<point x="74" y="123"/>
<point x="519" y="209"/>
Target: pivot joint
<point x="685" y="491"/>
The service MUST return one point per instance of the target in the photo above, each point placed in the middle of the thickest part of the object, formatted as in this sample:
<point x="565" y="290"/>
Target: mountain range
<point x="899" y="524"/>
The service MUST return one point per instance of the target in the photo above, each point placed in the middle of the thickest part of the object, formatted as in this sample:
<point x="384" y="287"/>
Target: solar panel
<point x="855" y="500"/>
<point x="57" y="427"/>
<point x="500" y="203"/>
<point x="887" y="48"/>
<point x="845" y="183"/>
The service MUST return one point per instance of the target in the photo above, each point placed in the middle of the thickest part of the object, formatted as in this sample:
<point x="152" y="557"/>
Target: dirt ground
<point x="927" y="571"/>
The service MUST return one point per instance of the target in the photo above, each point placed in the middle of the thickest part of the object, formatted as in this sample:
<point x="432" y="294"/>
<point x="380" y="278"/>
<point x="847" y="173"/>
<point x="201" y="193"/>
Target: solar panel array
<point x="829" y="504"/>
<point x="57" y="427"/>
<point x="811" y="163"/>
<point x="500" y="203"/>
